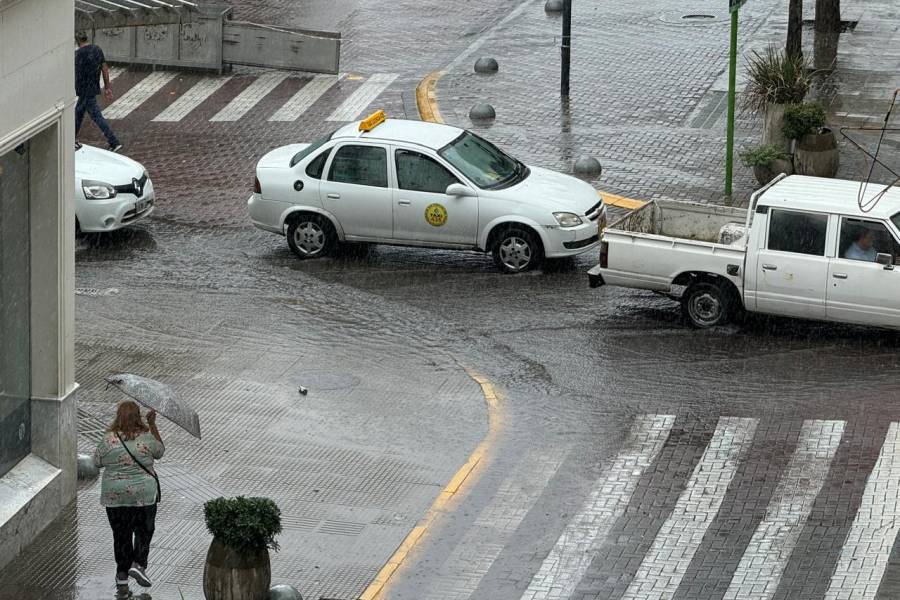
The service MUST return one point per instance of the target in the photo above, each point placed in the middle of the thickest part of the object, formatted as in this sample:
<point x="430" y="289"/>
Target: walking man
<point x="89" y="64"/>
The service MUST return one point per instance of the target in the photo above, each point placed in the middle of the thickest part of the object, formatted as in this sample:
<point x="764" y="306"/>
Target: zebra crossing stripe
<point x="570" y="558"/>
<point x="304" y="98"/>
<point x="680" y="536"/>
<point x="247" y="99"/>
<point x="359" y="100"/>
<point x="115" y="72"/>
<point x="769" y="550"/>
<point x="191" y="99"/>
<point x="867" y="548"/>
<point x="473" y="556"/>
<point x="137" y="95"/>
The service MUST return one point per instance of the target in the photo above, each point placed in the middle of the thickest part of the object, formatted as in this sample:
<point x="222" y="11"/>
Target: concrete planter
<point x="773" y="119"/>
<point x="766" y="173"/>
<point x="228" y="575"/>
<point x="817" y="154"/>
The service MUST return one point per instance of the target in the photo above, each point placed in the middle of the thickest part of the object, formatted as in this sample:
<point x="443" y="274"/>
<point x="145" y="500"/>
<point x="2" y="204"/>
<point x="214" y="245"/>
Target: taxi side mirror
<point x="883" y="258"/>
<point x="459" y="190"/>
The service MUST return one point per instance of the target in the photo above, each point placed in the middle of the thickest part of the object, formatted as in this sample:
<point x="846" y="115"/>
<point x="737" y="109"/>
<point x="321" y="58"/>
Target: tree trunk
<point x="794" y="46"/>
<point x="828" y="16"/>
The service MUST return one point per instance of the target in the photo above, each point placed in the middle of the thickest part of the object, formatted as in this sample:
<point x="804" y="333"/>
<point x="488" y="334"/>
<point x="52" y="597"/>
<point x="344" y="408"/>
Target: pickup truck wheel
<point x="311" y="236"/>
<point x="706" y="305"/>
<point x="516" y="250"/>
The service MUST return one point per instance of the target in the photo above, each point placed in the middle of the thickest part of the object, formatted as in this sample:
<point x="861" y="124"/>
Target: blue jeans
<point x="89" y="104"/>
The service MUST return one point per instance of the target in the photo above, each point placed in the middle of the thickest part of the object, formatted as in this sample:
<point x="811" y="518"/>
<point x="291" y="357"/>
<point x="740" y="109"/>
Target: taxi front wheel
<point x="311" y="236"/>
<point x="516" y="249"/>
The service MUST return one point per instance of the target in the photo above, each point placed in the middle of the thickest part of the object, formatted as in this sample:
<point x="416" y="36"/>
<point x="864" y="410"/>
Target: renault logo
<point x="138" y="191"/>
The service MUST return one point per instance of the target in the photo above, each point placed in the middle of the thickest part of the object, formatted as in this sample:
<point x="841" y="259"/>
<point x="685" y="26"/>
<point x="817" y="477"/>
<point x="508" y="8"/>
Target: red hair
<point x="128" y="422"/>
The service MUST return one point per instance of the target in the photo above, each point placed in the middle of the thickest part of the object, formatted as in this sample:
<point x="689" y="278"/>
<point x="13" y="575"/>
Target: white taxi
<point x="411" y="183"/>
<point x="111" y="190"/>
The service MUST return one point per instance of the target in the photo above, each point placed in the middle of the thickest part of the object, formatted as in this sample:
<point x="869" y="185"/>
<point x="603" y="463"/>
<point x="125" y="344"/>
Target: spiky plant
<point x="775" y="78"/>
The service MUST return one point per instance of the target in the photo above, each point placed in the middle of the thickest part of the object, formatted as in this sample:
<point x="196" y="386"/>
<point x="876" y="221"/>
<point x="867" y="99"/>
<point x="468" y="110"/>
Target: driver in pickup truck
<point x="862" y="248"/>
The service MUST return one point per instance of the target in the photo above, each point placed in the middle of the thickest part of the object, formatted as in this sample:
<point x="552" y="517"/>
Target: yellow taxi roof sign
<point x="372" y="121"/>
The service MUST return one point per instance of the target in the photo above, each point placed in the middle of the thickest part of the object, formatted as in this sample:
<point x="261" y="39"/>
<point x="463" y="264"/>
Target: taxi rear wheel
<point x="311" y="236"/>
<point x="516" y="250"/>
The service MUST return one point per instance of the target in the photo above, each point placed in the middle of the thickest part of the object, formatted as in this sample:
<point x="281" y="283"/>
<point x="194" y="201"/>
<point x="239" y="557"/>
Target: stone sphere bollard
<point x="486" y="65"/>
<point x="86" y="468"/>
<point x="588" y="166"/>
<point x="283" y="591"/>
<point x="482" y="112"/>
<point x="553" y="6"/>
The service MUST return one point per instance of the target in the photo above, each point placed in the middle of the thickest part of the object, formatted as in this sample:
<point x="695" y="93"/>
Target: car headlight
<point x="567" y="219"/>
<point x="97" y="190"/>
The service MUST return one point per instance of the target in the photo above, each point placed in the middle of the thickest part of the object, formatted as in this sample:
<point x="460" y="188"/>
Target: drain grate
<point x="698" y="17"/>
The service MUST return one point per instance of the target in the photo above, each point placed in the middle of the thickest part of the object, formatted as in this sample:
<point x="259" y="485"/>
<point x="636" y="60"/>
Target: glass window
<point x="361" y="165"/>
<point x="317" y="165"/>
<point x="420" y="173"/>
<point x="482" y="162"/>
<point x="15" y="309"/>
<point x="799" y="232"/>
<point x="862" y="240"/>
<point x="311" y="148"/>
<point x="896" y="220"/>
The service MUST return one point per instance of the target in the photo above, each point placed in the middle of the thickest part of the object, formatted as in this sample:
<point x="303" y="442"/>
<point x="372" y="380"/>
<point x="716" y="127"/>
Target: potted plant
<point x="237" y="564"/>
<point x="767" y="162"/>
<point x="815" y="147"/>
<point x="775" y="81"/>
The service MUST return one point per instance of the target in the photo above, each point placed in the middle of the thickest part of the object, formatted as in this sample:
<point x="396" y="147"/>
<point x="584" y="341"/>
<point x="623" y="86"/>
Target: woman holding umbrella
<point x="130" y="488"/>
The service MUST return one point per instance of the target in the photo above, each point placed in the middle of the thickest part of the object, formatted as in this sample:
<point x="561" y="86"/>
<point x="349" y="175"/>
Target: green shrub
<point x="775" y="78"/>
<point x="802" y="119"/>
<point x="763" y="156"/>
<point x="245" y="525"/>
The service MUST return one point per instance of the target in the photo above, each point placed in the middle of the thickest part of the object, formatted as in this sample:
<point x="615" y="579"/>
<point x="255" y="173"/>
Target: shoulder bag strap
<point x="141" y="465"/>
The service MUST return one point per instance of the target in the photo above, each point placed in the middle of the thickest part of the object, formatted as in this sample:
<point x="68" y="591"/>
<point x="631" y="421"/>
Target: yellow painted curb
<point x="426" y="100"/>
<point x="377" y="587"/>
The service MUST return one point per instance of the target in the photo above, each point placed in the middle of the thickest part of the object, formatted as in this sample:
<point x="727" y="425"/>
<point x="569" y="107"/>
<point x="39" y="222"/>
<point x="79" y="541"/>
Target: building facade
<point x="37" y="378"/>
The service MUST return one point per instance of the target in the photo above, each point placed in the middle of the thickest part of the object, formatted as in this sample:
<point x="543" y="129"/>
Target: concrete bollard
<point x="283" y="591"/>
<point x="482" y="112"/>
<point x="486" y="65"/>
<point x="553" y="6"/>
<point x="588" y="166"/>
<point x="86" y="468"/>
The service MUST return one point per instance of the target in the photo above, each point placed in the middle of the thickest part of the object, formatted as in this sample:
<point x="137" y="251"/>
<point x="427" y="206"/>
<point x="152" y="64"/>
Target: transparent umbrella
<point x="160" y="397"/>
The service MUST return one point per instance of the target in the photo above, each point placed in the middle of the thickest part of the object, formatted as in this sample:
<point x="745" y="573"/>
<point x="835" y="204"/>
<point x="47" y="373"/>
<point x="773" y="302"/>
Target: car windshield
<point x="482" y="162"/>
<point x="896" y="220"/>
<point x="311" y="148"/>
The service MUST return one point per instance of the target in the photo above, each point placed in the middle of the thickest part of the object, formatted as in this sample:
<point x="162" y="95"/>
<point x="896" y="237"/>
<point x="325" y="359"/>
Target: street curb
<point x="465" y="474"/>
<point x="427" y="102"/>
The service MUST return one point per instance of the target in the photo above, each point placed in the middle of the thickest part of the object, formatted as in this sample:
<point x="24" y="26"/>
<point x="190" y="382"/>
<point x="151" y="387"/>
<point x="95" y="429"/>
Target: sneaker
<point x="114" y="147"/>
<point x="140" y="575"/>
<point x="121" y="579"/>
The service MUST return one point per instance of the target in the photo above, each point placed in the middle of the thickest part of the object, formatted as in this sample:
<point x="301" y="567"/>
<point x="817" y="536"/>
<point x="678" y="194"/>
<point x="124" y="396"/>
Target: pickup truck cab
<point x="804" y="248"/>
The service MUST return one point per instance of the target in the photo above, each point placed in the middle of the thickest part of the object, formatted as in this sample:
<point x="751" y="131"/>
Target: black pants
<point x="132" y="528"/>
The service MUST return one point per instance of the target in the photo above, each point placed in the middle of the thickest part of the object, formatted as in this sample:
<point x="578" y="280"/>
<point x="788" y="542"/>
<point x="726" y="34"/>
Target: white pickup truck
<point x="804" y="248"/>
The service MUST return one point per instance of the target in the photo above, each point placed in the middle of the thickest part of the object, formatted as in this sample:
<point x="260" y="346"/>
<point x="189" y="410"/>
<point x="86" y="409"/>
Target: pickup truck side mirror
<point x="459" y="190"/>
<point x="883" y="258"/>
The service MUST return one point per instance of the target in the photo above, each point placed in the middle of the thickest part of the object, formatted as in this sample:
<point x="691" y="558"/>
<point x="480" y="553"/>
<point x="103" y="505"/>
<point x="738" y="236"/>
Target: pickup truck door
<point x="357" y="190"/>
<point x="792" y="267"/>
<point x="423" y="211"/>
<point x="859" y="289"/>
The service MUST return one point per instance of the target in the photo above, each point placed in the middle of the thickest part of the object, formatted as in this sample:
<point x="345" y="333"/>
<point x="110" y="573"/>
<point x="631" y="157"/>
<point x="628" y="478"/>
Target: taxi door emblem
<point x="436" y="215"/>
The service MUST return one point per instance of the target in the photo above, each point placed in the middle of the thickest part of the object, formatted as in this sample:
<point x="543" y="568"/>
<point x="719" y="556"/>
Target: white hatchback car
<point x="411" y="183"/>
<point x="111" y="190"/>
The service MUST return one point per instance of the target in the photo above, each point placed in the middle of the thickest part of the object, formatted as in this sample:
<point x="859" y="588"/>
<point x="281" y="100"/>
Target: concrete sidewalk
<point x="648" y="90"/>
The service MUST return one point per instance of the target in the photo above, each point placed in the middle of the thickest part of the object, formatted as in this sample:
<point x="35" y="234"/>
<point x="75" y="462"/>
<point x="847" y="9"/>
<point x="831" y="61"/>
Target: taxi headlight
<point x="97" y="190"/>
<point x="567" y="219"/>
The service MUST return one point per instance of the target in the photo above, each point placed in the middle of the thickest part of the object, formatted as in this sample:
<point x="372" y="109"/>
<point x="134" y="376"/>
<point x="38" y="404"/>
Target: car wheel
<point x="516" y="250"/>
<point x="706" y="305"/>
<point x="311" y="236"/>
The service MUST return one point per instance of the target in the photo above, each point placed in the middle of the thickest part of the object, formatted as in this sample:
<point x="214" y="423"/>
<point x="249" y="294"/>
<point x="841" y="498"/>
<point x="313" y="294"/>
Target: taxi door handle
<point x="334" y="196"/>
<point x="839" y="275"/>
<point x="770" y="267"/>
<point x="404" y="202"/>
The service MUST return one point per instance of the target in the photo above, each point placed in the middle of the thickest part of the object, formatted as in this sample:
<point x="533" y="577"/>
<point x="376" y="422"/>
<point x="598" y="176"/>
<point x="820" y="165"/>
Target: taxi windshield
<point x="311" y="148"/>
<point x="482" y="162"/>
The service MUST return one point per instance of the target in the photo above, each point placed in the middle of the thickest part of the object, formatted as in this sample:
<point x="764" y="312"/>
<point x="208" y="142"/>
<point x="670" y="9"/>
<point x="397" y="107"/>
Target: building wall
<point x="37" y="109"/>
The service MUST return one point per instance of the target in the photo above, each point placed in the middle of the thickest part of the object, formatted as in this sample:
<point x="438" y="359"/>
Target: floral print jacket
<point x="124" y="482"/>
